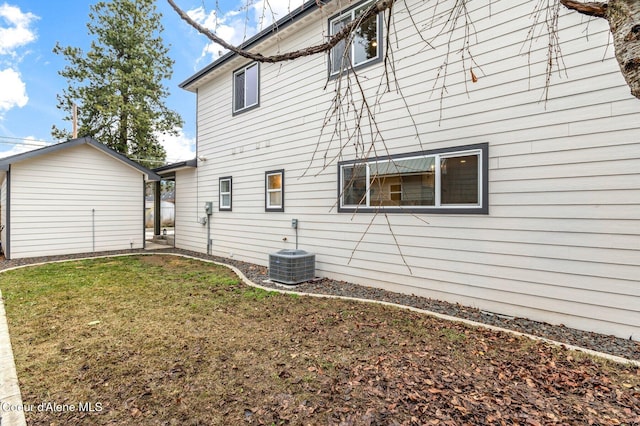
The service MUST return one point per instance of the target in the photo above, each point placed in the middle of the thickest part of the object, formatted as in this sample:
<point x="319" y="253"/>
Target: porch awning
<point x="169" y="170"/>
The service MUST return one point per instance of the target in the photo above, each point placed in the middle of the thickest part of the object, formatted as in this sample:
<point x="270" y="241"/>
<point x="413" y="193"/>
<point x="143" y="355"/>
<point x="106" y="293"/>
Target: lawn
<point x="175" y="341"/>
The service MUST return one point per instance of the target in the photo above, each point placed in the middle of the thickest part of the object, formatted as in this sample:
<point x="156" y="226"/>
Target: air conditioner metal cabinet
<point x="292" y="266"/>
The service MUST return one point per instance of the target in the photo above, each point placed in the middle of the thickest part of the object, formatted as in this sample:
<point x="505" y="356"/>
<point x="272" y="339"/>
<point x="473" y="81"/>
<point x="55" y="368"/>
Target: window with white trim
<point x="246" y="86"/>
<point x="440" y="181"/>
<point x="274" y="191"/>
<point x="364" y="46"/>
<point x="224" y="194"/>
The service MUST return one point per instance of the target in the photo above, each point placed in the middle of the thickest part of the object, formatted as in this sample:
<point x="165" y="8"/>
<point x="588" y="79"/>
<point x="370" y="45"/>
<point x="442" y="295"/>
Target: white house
<point x="488" y="195"/>
<point x="73" y="197"/>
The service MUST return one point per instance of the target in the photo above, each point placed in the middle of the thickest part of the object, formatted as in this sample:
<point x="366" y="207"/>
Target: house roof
<point x="308" y="7"/>
<point x="170" y="169"/>
<point x="7" y="161"/>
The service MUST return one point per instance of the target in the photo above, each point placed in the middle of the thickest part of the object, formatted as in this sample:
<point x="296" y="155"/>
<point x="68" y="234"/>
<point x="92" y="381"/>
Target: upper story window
<point x="364" y="46"/>
<point x="274" y="191"/>
<point x="224" y="201"/>
<point x="441" y="181"/>
<point x="246" y="86"/>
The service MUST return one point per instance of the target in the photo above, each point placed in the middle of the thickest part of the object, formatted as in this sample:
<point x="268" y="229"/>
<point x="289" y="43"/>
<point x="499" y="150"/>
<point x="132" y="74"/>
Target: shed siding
<point x="73" y="201"/>
<point x="561" y="242"/>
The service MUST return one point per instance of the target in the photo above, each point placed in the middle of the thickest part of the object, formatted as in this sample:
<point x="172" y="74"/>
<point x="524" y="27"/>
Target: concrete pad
<point x="11" y="408"/>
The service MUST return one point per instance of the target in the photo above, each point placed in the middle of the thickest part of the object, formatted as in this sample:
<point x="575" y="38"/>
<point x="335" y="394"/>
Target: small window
<point x="274" y="191"/>
<point x="224" y="200"/>
<point x="364" y="46"/>
<point x="441" y="181"/>
<point x="246" y="88"/>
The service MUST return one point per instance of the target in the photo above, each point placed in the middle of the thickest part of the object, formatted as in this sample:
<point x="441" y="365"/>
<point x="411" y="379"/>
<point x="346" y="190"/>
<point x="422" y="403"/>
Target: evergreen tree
<point x="117" y="84"/>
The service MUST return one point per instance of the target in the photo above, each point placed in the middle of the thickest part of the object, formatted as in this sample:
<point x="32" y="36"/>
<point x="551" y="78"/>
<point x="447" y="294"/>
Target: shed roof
<point x="7" y="161"/>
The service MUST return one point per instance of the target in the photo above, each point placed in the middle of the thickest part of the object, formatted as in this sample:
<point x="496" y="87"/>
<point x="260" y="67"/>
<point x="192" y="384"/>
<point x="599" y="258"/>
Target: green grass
<point x="170" y="340"/>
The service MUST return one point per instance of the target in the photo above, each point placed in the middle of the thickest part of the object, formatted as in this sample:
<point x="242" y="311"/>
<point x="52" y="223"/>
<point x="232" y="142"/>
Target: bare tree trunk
<point x="123" y="128"/>
<point x="624" y="22"/>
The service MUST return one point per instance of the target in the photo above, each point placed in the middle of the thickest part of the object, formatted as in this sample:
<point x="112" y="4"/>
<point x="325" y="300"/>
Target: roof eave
<point x="169" y="169"/>
<point x="6" y="162"/>
<point x="150" y="175"/>
<point x="309" y="6"/>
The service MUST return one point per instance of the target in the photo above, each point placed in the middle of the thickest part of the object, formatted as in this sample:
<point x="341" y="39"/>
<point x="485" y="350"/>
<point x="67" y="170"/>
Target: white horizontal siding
<point x="73" y="201"/>
<point x="561" y="242"/>
<point x="189" y="233"/>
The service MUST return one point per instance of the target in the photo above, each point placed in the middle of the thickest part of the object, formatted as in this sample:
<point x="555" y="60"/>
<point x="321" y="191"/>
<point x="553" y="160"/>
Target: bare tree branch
<point x="377" y="7"/>
<point x="545" y="24"/>
<point x="395" y="240"/>
<point x="350" y="121"/>
<point x="458" y="17"/>
<point x="597" y="9"/>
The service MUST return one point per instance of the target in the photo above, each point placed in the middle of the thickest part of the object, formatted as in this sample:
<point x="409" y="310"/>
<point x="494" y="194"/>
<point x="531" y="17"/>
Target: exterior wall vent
<point x="292" y="266"/>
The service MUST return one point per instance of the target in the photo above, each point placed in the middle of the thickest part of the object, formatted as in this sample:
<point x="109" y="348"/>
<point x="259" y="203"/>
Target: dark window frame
<point x="483" y="168"/>
<point x="267" y="207"/>
<point x="380" y="40"/>
<point x="233" y="89"/>
<point x="220" y="193"/>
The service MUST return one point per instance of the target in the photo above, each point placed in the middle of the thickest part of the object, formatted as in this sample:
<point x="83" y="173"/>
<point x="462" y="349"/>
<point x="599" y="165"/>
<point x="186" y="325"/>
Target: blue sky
<point x="29" y="80"/>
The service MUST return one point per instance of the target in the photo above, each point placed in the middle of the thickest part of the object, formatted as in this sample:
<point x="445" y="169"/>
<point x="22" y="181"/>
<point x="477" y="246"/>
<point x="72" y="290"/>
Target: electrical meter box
<point x="208" y="207"/>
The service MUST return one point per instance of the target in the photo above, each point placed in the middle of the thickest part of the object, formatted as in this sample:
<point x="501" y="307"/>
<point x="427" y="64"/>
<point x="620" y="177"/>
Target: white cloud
<point x="269" y="11"/>
<point x="15" y="28"/>
<point x="236" y="26"/>
<point x="179" y="148"/>
<point x="15" y="32"/>
<point x="200" y="15"/>
<point x="16" y="146"/>
<point x="233" y="27"/>
<point x="13" y="92"/>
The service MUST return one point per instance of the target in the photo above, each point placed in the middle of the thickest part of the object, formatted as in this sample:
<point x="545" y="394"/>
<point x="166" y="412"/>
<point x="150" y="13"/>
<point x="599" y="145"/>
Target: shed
<point x="77" y="196"/>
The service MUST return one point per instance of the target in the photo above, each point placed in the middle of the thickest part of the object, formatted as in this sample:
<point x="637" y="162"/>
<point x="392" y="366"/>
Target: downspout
<point x="7" y="232"/>
<point x="209" y="233"/>
<point x="93" y="229"/>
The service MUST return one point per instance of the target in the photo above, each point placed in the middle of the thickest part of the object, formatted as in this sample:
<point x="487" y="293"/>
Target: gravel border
<point x="612" y="345"/>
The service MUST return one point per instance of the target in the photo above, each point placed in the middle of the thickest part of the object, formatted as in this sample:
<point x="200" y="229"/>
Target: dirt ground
<point x="173" y="341"/>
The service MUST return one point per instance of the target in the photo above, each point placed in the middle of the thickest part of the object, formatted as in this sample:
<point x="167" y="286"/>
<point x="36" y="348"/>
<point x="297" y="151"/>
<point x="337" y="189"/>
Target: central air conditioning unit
<point x="292" y="266"/>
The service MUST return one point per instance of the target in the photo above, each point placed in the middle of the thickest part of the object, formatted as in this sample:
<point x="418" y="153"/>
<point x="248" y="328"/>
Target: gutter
<point x="300" y="12"/>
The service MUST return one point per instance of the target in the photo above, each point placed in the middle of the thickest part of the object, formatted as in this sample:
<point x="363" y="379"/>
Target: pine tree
<point x="118" y="83"/>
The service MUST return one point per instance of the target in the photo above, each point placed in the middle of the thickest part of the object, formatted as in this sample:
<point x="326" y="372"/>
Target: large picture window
<point x="246" y="88"/>
<point x="441" y="181"/>
<point x="363" y="47"/>
<point x="274" y="191"/>
<point x="224" y="194"/>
